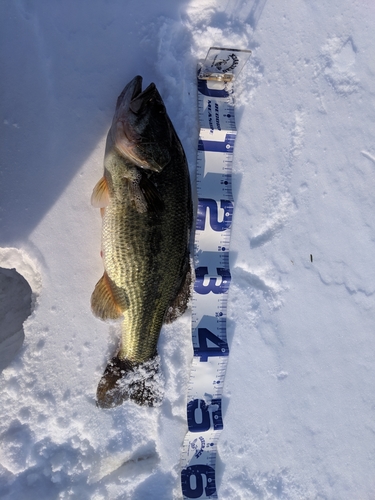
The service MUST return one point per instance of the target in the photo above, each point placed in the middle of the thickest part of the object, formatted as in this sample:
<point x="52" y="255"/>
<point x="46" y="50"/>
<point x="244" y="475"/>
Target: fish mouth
<point x="132" y="90"/>
<point x="134" y="101"/>
<point x="140" y="97"/>
<point x="135" y="108"/>
<point x="132" y="97"/>
<point x="136" y="87"/>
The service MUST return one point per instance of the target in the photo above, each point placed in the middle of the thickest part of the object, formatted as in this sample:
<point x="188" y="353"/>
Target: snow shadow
<point x="63" y="66"/>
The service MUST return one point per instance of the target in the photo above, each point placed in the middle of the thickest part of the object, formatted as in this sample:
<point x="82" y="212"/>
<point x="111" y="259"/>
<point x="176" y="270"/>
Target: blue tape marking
<point x="212" y="286"/>
<point x="211" y="205"/>
<point x="198" y="471"/>
<point x="201" y="416"/>
<point x="218" y="147"/>
<point x="205" y="351"/>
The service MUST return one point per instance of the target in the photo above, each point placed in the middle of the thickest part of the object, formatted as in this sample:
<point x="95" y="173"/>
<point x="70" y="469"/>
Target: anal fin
<point x="103" y="303"/>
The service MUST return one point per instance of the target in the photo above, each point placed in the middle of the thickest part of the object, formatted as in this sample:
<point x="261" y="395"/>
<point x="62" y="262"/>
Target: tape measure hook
<point x="223" y="64"/>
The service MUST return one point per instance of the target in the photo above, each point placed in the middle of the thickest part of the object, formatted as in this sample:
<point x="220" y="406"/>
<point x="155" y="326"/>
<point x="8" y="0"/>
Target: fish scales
<point x="142" y="256"/>
<point x="147" y="216"/>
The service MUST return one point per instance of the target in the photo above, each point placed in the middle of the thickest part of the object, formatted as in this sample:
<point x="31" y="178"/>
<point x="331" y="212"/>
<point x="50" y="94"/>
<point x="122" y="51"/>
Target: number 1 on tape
<point x="211" y="259"/>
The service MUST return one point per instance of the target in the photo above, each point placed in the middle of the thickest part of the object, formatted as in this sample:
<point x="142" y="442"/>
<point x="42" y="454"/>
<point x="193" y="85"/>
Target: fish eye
<point x="161" y="108"/>
<point x="158" y="105"/>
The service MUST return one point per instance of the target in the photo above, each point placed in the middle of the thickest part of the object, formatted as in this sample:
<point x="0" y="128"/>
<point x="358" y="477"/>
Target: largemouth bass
<point x="145" y="201"/>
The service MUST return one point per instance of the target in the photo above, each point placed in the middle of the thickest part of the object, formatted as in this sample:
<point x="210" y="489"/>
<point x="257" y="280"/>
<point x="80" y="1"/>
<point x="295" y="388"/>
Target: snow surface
<point x="299" y="407"/>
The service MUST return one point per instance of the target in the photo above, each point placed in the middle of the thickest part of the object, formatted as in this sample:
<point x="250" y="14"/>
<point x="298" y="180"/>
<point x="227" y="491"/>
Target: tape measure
<point x="212" y="273"/>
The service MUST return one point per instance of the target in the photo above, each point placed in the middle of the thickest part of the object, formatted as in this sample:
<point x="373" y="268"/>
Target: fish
<point x="146" y="205"/>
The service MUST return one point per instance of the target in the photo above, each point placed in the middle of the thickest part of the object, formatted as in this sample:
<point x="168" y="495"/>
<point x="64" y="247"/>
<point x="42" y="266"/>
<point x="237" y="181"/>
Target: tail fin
<point x="123" y="380"/>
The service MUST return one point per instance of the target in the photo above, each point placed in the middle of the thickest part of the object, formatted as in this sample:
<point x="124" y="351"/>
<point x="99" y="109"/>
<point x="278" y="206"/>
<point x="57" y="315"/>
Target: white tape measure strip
<point x="211" y="259"/>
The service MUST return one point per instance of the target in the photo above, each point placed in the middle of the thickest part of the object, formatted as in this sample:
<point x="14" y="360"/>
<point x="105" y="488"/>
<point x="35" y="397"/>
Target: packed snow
<point x="299" y="397"/>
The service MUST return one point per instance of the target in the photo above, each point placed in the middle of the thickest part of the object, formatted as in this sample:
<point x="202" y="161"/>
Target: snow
<point x="299" y="406"/>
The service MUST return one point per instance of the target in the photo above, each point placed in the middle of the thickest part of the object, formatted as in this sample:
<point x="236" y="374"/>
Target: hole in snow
<point x="17" y="300"/>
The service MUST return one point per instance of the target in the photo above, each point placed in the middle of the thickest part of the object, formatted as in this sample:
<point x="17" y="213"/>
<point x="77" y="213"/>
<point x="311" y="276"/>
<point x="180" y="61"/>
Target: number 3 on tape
<point x="212" y="236"/>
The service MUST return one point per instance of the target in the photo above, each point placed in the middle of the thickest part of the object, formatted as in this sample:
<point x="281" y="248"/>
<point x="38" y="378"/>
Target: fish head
<point x="141" y="130"/>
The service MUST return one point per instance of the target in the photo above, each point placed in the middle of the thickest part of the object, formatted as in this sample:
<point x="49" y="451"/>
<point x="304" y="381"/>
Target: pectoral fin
<point x="151" y="194"/>
<point x="100" y="194"/>
<point x="132" y="192"/>
<point x="143" y="193"/>
<point x="103" y="303"/>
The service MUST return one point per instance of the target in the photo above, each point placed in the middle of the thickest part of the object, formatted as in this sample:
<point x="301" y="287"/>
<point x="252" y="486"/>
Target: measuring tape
<point x="212" y="274"/>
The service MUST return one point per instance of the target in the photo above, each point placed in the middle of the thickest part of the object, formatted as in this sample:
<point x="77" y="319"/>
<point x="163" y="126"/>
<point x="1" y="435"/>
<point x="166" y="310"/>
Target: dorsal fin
<point x="100" y="194"/>
<point x="103" y="303"/>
